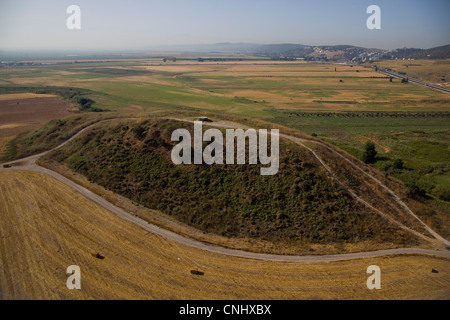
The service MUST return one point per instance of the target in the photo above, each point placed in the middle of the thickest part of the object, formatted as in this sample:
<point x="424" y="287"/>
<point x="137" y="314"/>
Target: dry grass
<point x="45" y="227"/>
<point x="47" y="81"/>
<point x="427" y="70"/>
<point x="19" y="96"/>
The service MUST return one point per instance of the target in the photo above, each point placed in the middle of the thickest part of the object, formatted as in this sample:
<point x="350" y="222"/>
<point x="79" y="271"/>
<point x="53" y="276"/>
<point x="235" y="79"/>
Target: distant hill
<point x="348" y="52"/>
<point x="239" y="48"/>
<point x="325" y="52"/>
<point x="442" y="52"/>
<point x="271" y="49"/>
<point x="283" y="51"/>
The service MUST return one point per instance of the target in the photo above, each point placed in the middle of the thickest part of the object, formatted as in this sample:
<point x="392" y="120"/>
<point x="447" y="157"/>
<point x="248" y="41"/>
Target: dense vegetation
<point x="47" y="137"/>
<point x="300" y="203"/>
<point x="77" y="95"/>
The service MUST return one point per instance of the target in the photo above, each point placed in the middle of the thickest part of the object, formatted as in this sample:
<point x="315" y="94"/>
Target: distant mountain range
<point x="299" y="51"/>
<point x="284" y="51"/>
<point x="237" y="48"/>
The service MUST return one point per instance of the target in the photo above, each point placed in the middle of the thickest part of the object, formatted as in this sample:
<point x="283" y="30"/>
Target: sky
<point x="141" y="24"/>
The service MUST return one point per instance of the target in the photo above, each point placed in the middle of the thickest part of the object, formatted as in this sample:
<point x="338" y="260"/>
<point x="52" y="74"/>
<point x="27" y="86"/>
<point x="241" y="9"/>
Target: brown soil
<point x="21" y="115"/>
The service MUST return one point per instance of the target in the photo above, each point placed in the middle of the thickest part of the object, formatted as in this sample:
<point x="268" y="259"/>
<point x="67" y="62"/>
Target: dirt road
<point x="30" y="164"/>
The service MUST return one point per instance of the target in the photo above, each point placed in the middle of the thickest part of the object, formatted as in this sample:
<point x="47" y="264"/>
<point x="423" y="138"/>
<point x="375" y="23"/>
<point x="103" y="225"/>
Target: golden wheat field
<point x="47" y="227"/>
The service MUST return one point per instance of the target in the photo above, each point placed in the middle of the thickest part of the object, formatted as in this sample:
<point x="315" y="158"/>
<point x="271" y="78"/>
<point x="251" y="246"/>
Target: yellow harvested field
<point x="49" y="81"/>
<point x="45" y="227"/>
<point x="11" y="125"/>
<point x="14" y="96"/>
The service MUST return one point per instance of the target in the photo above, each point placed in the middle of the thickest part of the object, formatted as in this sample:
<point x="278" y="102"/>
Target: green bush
<point x="398" y="164"/>
<point x="370" y="153"/>
<point x="442" y="192"/>
<point x="415" y="191"/>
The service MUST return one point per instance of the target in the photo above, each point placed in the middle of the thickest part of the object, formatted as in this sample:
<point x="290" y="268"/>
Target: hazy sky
<point x="134" y="24"/>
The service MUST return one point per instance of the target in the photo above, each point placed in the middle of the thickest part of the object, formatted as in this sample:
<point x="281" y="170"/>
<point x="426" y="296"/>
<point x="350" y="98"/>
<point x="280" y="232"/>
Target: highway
<point x="426" y="84"/>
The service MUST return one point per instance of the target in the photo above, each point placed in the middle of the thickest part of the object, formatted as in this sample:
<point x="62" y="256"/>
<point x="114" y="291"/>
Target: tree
<point x="84" y="103"/>
<point x="398" y="163"/>
<point x="415" y="191"/>
<point x="370" y="153"/>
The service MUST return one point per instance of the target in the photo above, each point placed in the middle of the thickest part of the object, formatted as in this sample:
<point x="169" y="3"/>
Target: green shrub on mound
<point x="299" y="203"/>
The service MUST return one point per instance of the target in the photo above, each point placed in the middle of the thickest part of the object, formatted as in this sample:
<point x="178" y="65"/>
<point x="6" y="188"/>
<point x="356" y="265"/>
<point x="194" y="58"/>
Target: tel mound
<point x="299" y="206"/>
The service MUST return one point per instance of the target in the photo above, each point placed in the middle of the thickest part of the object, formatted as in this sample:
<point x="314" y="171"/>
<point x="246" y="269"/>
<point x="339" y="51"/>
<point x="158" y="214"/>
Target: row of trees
<point x="370" y="114"/>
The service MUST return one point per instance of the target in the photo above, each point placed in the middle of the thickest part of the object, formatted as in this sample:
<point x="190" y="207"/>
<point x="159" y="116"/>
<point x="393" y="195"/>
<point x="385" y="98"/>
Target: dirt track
<point x="46" y="227"/>
<point x="397" y="199"/>
<point x="30" y="164"/>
